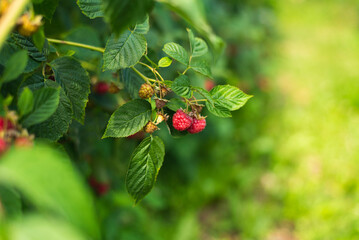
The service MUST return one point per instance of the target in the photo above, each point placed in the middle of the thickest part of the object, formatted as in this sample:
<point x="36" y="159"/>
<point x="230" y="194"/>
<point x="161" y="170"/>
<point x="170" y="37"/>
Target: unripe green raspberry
<point x="146" y="91"/>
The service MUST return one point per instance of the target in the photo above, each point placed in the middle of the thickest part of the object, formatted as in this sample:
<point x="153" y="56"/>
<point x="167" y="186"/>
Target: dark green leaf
<point x="128" y="119"/>
<point x="8" y="49"/>
<point x="15" y="66"/>
<point x="91" y="8"/>
<point x="177" y="52"/>
<point x="122" y="13"/>
<point x="124" y="51"/>
<point x="182" y="86"/>
<point x="131" y="81"/>
<point x="75" y="81"/>
<point x="27" y="44"/>
<point x="46" y="8"/>
<point x="57" y="125"/>
<point x="25" y="103"/>
<point x="46" y="101"/>
<point x="145" y="163"/>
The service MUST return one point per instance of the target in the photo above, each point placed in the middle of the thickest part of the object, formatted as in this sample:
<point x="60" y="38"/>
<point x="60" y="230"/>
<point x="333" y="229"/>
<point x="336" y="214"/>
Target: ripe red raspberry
<point x="209" y="84"/>
<point x="102" y="87"/>
<point x="7" y="122"/>
<point x="100" y="188"/>
<point x="3" y="146"/>
<point x="181" y="121"/>
<point x="197" y="126"/>
<point x="146" y="91"/>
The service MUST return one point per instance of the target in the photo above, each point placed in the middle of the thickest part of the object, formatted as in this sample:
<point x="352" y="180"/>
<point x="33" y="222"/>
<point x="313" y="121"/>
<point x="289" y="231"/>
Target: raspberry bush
<point x="51" y="86"/>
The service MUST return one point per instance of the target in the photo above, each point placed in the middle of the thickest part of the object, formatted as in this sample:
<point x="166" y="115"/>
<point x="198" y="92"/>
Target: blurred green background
<point x="283" y="168"/>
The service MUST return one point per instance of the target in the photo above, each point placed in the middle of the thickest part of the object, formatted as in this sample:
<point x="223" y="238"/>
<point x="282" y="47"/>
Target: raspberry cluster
<point x="193" y="123"/>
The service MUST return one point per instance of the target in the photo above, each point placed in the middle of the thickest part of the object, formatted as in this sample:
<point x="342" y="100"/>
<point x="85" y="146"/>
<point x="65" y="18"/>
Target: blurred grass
<point x="316" y="129"/>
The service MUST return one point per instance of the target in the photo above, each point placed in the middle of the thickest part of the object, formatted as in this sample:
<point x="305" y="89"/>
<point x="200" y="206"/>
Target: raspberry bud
<point x="150" y="127"/>
<point x="101" y="88"/>
<point x="197" y="126"/>
<point x="160" y="103"/>
<point x="113" y="88"/>
<point x="181" y="121"/>
<point x="164" y="91"/>
<point x="146" y="91"/>
<point x="161" y="117"/>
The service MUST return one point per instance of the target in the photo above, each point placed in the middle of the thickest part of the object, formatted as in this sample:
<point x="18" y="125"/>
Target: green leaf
<point x="182" y="86"/>
<point x="75" y="81"/>
<point x="27" y="44"/>
<point x="165" y="62"/>
<point x="124" y="51"/>
<point x="229" y="97"/>
<point x="15" y="66"/>
<point x="51" y="183"/>
<point x="46" y="8"/>
<point x="176" y="52"/>
<point x="194" y="13"/>
<point x="122" y="13"/>
<point x="57" y="125"/>
<point x="91" y="8"/>
<point x="46" y="101"/>
<point x="25" y="104"/>
<point x="175" y="103"/>
<point x="8" y="49"/>
<point x="198" y="45"/>
<point x="218" y="110"/>
<point x="205" y="94"/>
<point x="145" y="164"/>
<point x="143" y="28"/>
<point x="128" y="119"/>
<point x="191" y="39"/>
<point x="202" y="67"/>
